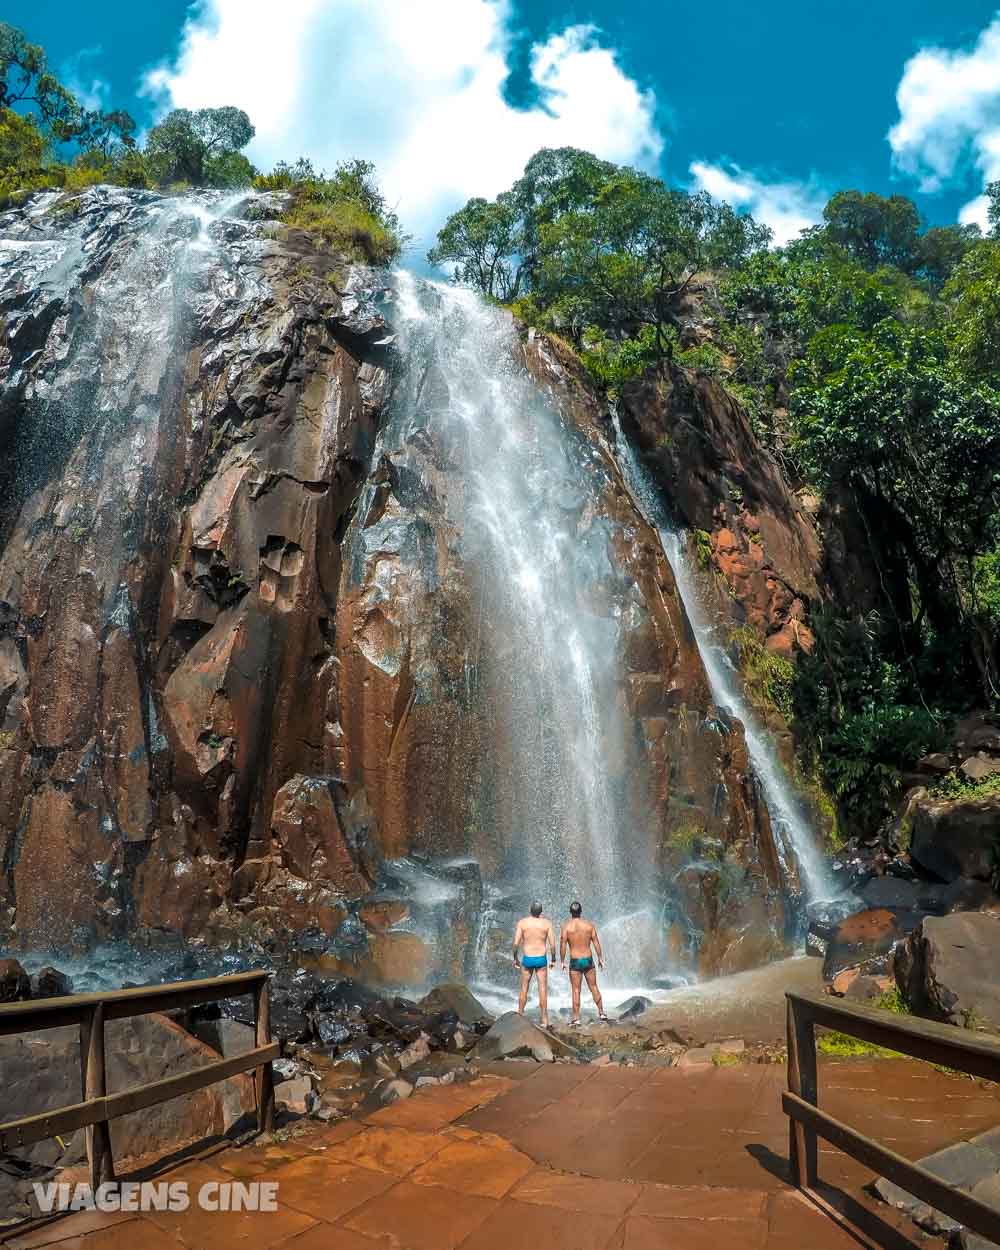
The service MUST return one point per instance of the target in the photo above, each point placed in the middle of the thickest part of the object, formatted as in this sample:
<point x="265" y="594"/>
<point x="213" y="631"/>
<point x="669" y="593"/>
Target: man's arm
<point x="597" y="947"/>
<point x="562" y="946"/>
<point x="517" y="943"/>
<point x="550" y="941"/>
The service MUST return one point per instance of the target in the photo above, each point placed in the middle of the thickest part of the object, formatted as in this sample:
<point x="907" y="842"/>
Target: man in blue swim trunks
<point x="536" y="939"/>
<point x="579" y="934"/>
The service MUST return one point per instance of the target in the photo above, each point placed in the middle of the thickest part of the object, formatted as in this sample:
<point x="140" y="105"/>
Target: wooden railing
<point x="90" y="1012"/>
<point x="959" y="1049"/>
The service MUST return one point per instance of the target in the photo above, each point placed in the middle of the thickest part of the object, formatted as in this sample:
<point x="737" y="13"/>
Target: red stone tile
<point x="142" y="1235"/>
<point x="327" y="1237"/>
<point x="542" y="1228"/>
<point x="394" y="1150"/>
<point x="642" y="1232"/>
<point x="473" y="1167"/>
<point x="422" y="1217"/>
<point x="74" y="1225"/>
<point x="582" y="1194"/>
<point x="229" y="1230"/>
<point x="700" y="1202"/>
<point x="327" y="1189"/>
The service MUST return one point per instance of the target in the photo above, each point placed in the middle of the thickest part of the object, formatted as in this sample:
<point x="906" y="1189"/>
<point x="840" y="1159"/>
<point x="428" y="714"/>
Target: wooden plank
<point x="35" y="1128"/>
<point x="143" y="1096"/>
<point x="265" y="1075"/>
<point x="802" y="1150"/>
<point x="52" y="1013"/>
<point x="946" y="1044"/>
<point x="99" y="1156"/>
<point x="910" y="1176"/>
<point x="81" y="1115"/>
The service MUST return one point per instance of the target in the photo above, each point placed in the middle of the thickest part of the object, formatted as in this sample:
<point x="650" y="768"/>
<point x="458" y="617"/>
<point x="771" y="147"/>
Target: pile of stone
<point x="17" y="986"/>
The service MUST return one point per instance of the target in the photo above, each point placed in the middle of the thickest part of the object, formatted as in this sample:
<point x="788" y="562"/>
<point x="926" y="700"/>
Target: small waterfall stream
<point x="796" y="840"/>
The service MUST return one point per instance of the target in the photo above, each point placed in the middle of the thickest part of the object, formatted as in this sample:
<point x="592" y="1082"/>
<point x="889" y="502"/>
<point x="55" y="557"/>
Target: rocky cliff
<point x="238" y="618"/>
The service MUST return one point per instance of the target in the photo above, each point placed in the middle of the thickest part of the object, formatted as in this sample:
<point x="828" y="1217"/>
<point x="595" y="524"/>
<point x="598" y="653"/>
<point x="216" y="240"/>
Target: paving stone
<point x="581" y="1194"/>
<point x="230" y="1230"/>
<point x="422" y="1217"/>
<point x="700" y="1202"/>
<point x="962" y="1165"/>
<point x="326" y="1189"/>
<point x="76" y="1225"/>
<point x="525" y="1224"/>
<point x="473" y="1167"/>
<point x="143" y="1235"/>
<point x="643" y="1232"/>
<point x="394" y="1150"/>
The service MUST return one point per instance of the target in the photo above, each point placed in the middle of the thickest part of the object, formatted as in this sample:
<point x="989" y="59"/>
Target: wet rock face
<point x="758" y="535"/>
<point x="188" y="403"/>
<point x="238" y="627"/>
<point x="946" y="969"/>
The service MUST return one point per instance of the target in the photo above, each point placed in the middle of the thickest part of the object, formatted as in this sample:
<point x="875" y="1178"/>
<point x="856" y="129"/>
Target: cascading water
<point x="548" y="627"/>
<point x="795" y="838"/>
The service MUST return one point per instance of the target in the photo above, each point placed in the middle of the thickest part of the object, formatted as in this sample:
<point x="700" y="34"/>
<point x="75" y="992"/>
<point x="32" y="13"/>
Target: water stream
<point x="547" y="652"/>
<point x="796" y="840"/>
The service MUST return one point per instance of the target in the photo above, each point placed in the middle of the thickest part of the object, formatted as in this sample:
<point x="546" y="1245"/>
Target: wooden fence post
<point x="802" y="1080"/>
<point x="265" y="1076"/>
<point x="94" y="1082"/>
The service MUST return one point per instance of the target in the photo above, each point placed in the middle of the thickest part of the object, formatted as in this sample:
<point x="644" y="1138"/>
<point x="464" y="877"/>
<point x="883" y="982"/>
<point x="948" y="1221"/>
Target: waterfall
<point x="548" y="628"/>
<point x="795" y="838"/>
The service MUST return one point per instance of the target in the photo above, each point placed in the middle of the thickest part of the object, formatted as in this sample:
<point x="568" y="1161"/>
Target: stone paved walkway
<point x="565" y="1157"/>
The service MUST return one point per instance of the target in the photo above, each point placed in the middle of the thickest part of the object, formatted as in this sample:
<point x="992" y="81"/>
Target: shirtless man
<point x="578" y="934"/>
<point x="534" y="935"/>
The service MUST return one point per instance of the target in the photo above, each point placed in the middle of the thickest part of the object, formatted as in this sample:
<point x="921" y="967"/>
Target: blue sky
<point x="773" y="105"/>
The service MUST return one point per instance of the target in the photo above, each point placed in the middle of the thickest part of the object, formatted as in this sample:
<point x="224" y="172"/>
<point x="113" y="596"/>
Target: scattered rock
<point x="455" y="997"/>
<point x="228" y="1037"/>
<point x="947" y="968"/>
<point x="935" y="763"/>
<point x="634" y="1006"/>
<point x="697" y="1056"/>
<point x="416" y="1052"/>
<point x="891" y="893"/>
<point x="864" y="936"/>
<point x="50" y="983"/>
<point x="987" y="1190"/>
<point x="297" y="1095"/>
<point x="512" y="1037"/>
<point x="14" y="983"/>
<point x="394" y="1091"/>
<point x="963" y="1165"/>
<point x="865" y="989"/>
<point x="979" y="767"/>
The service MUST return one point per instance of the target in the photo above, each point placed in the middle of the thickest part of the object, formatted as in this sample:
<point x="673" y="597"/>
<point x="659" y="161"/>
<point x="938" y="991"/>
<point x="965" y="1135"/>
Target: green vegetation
<point x="843" y="1046"/>
<point x="867" y="354"/>
<point x="769" y="677"/>
<point x="48" y="140"/>
<point x="346" y="209"/>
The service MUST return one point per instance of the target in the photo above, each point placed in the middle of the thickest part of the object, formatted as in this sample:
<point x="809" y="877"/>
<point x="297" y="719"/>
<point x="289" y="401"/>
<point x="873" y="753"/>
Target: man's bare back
<point x="578" y="936"/>
<point x="535" y="938"/>
<point x="535" y="935"/>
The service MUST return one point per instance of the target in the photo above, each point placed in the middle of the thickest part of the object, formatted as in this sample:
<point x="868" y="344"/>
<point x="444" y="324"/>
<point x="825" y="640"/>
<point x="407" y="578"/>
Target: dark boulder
<point x="14" y="983"/>
<point x="50" y="983"/>
<point x="513" y="1037"/>
<point x="949" y="968"/>
<point x="455" y="997"/>
<point x="954" y="838"/>
<point x="633" y="1007"/>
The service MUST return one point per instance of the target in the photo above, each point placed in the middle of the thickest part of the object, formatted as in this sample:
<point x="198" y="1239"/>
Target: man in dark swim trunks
<point x="535" y="937"/>
<point x="579" y="934"/>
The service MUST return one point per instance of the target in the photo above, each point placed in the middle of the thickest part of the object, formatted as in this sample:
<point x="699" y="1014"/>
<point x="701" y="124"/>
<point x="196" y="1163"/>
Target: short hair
<point x="536" y="909"/>
<point x="576" y="910"/>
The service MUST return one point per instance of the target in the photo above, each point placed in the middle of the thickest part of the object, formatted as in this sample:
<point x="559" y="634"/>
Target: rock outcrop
<point x="244" y="692"/>
<point x="947" y="969"/>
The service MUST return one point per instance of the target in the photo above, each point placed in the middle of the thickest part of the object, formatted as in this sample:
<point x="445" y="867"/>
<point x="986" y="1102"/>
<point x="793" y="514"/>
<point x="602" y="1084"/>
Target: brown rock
<point x="383" y="915"/>
<point x="947" y="969"/>
<point x="864" y="936"/>
<point x="14" y="982"/>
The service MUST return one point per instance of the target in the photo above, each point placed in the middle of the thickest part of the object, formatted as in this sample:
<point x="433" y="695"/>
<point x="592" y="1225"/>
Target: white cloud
<point x="418" y="88"/>
<point x="89" y="89"/>
<point x="949" y="112"/>
<point x="787" y="207"/>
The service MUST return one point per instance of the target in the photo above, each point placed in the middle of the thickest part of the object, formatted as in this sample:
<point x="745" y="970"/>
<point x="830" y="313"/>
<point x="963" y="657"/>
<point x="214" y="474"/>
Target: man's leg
<point x="543" y="995"/>
<point x="576" y="981"/>
<point x="595" y="993"/>
<point x="523" y="998"/>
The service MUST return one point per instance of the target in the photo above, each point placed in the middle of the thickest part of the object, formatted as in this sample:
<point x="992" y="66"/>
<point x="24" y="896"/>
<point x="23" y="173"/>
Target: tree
<point x="974" y="326"/>
<point x="873" y="229"/>
<point x="183" y="147"/>
<point x="889" y="416"/>
<point x="25" y="80"/>
<point x="484" y="239"/>
<point x="941" y="249"/>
